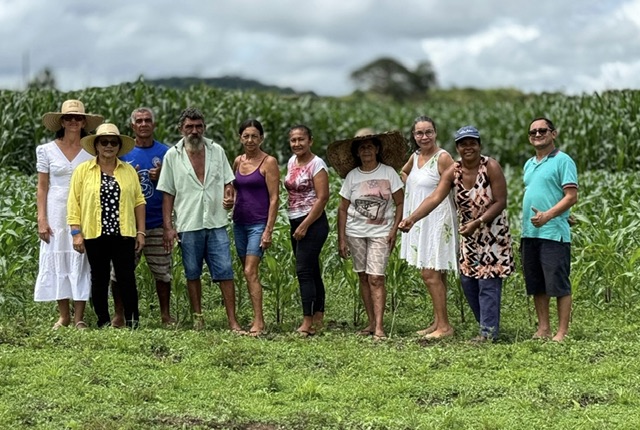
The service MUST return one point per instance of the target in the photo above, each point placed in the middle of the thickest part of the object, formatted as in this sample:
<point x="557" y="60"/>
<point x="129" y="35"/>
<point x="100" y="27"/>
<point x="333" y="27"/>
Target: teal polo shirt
<point x="544" y="184"/>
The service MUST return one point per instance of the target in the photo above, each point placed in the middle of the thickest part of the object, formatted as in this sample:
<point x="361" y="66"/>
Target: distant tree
<point x="388" y="77"/>
<point x="43" y="80"/>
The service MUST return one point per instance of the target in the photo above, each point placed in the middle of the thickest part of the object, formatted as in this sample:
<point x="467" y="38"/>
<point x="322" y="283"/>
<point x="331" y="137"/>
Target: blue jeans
<point x="210" y="245"/>
<point x="307" y="253"/>
<point x="248" y="238"/>
<point x="484" y="297"/>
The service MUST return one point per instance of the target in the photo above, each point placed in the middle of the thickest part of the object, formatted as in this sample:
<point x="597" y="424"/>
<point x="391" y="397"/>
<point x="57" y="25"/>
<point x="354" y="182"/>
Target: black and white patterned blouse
<point x="110" y="203"/>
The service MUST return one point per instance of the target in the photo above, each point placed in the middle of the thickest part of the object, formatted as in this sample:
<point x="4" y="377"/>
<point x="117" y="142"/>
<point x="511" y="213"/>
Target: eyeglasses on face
<point x="542" y="131"/>
<point x="77" y="118"/>
<point x="109" y="142"/>
<point x="421" y="134"/>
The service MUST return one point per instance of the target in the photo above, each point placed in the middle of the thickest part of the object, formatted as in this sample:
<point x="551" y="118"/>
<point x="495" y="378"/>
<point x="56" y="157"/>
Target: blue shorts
<point x="248" y="238"/>
<point x="546" y="265"/>
<point x="210" y="245"/>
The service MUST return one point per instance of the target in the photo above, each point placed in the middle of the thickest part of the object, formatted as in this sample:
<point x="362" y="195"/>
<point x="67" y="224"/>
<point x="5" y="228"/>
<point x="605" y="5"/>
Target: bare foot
<point x="117" y="321"/>
<point x="427" y="330"/>
<point x="439" y="334"/>
<point x="367" y="331"/>
<point x="168" y="321"/>
<point x="198" y="322"/>
<point x="318" y="320"/>
<point x="559" y="337"/>
<point x="541" y="334"/>
<point x="256" y="330"/>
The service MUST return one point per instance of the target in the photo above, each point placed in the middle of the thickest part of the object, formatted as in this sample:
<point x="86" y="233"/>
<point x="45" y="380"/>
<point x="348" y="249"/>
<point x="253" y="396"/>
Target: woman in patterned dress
<point x="63" y="274"/>
<point x="486" y="257"/>
<point x="106" y="214"/>
<point x="432" y="245"/>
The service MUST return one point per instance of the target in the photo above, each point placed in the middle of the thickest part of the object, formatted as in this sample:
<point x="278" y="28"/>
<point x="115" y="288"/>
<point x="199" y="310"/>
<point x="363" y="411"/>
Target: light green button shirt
<point x="197" y="205"/>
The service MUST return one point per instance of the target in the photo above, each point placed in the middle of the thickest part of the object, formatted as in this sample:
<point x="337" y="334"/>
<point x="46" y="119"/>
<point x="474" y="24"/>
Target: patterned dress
<point x="432" y="242"/>
<point x="487" y="253"/>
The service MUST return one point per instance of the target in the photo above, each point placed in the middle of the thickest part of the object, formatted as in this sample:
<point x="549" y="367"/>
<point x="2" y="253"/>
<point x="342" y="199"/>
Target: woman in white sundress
<point x="431" y="245"/>
<point x="64" y="274"/>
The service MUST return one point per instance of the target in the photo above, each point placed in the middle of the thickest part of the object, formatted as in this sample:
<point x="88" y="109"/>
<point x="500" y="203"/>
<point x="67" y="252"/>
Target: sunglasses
<point x="542" y="131"/>
<point x="110" y="142"/>
<point x="77" y="118"/>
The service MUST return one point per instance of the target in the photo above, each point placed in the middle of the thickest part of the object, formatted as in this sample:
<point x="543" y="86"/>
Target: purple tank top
<point x="252" y="198"/>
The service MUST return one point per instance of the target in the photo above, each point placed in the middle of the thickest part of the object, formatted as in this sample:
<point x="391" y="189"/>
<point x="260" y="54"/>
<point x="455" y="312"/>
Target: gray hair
<point x="141" y="110"/>
<point x="191" y="113"/>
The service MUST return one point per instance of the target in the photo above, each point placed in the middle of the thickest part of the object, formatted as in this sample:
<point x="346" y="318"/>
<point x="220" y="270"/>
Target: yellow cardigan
<point x="83" y="205"/>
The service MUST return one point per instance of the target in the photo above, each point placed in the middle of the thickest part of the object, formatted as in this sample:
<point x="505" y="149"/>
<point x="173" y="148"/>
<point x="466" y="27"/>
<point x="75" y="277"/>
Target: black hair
<point x="421" y="118"/>
<point x="302" y="127"/>
<point x="355" y="145"/>
<point x="251" y="122"/>
<point x="545" y="119"/>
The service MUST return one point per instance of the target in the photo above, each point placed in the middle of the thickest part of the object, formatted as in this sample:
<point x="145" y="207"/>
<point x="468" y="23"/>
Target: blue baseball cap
<point x="467" y="131"/>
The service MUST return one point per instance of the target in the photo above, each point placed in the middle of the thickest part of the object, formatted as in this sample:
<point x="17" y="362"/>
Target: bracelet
<point x="141" y="232"/>
<point x="482" y="223"/>
<point x="75" y="231"/>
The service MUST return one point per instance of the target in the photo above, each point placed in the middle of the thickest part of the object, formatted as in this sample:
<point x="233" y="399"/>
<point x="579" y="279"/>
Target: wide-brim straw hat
<point x="52" y="120"/>
<point x="107" y="129"/>
<point x="393" y="151"/>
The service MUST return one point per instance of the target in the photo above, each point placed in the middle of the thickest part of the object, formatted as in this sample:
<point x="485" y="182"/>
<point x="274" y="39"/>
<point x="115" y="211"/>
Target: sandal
<point x="81" y="325"/>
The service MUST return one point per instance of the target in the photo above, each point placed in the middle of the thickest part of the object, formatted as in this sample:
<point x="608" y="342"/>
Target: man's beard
<point x="194" y="143"/>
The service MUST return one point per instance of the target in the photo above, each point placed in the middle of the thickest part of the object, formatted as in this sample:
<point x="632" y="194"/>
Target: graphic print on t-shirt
<point x="373" y="199"/>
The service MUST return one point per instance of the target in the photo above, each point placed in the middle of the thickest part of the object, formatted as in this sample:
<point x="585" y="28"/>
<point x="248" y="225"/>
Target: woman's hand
<point x="265" y="241"/>
<point x="78" y="243"/>
<point x="44" y="231"/>
<point x="139" y="242"/>
<point x="343" y="249"/>
<point x="405" y="225"/>
<point x="469" y="228"/>
<point x="300" y="232"/>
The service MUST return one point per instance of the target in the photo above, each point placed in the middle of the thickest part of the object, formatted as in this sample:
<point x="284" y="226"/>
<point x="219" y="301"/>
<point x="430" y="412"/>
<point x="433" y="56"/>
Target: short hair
<point x="356" y="144"/>
<point x="421" y="118"/>
<point x="251" y="122"/>
<point x="302" y="127"/>
<point x="141" y="110"/>
<point x="545" y="119"/>
<point x="190" y="113"/>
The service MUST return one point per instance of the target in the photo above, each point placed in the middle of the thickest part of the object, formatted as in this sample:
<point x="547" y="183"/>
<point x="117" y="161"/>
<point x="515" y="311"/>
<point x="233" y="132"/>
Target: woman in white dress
<point x="432" y="244"/>
<point x="63" y="274"/>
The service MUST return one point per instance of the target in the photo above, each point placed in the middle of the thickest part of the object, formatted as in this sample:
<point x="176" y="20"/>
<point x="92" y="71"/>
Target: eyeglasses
<point x="109" y="142"/>
<point x="542" y="131"/>
<point x="421" y="134"/>
<point x="77" y="118"/>
<point x="248" y="137"/>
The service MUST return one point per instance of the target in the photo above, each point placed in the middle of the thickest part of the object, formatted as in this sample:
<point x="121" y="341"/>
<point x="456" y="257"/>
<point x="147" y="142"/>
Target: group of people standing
<point x="105" y="199"/>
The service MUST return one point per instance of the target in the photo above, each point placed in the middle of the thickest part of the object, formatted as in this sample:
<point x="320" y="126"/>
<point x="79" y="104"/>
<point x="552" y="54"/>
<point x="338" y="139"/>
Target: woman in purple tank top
<point x="254" y="214"/>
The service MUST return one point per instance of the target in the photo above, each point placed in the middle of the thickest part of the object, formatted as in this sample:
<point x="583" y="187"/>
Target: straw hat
<point x="51" y="120"/>
<point x="107" y="129"/>
<point x="392" y="152"/>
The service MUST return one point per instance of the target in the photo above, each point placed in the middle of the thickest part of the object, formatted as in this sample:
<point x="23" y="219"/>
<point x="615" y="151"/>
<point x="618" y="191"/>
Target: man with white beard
<point x="196" y="180"/>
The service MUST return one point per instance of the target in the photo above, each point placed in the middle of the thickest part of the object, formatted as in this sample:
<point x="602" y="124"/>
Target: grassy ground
<point x="178" y="378"/>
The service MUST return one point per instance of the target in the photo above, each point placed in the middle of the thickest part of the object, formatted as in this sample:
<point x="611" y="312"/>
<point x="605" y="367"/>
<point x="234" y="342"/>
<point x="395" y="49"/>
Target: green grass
<point x="178" y="378"/>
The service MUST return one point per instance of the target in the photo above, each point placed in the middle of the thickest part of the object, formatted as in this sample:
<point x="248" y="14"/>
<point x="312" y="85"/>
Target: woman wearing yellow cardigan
<point x="105" y="212"/>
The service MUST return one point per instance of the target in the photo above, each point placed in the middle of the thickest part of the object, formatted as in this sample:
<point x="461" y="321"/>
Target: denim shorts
<point x="210" y="245"/>
<point x="546" y="265"/>
<point x="248" y="238"/>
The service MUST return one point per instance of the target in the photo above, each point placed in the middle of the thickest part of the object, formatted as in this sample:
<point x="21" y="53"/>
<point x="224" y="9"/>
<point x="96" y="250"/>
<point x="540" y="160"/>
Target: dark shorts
<point x="546" y="265"/>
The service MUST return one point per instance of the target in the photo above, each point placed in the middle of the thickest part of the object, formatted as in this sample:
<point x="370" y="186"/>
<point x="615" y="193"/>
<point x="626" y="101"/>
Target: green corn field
<point x="600" y="131"/>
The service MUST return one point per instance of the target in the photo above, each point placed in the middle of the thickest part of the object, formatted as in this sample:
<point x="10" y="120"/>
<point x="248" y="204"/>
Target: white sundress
<point x="63" y="272"/>
<point x="432" y="243"/>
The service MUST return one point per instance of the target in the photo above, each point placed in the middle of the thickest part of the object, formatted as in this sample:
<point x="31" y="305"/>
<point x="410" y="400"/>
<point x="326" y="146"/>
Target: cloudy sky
<point x="543" y="45"/>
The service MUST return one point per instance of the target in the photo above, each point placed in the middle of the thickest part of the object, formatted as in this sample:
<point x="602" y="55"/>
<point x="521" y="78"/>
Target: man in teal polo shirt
<point x="551" y="188"/>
